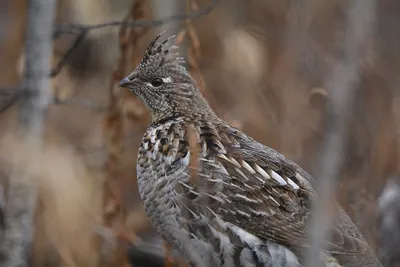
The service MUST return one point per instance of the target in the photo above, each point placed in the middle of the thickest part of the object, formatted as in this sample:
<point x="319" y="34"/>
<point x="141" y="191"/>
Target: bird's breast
<point x="161" y="165"/>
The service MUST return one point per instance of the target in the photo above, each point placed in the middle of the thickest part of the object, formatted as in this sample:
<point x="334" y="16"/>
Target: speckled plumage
<point x="223" y="199"/>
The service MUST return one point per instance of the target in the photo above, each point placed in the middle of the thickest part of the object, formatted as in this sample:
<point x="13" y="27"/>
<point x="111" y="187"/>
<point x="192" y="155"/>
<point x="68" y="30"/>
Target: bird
<point x="213" y="193"/>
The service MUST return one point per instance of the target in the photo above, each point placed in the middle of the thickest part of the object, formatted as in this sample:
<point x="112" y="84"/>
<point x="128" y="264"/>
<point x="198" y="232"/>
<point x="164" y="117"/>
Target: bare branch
<point x="78" y="40"/>
<point x="83" y="30"/>
<point x="343" y="85"/>
<point x="8" y="97"/>
<point x="78" y="28"/>
<point x="14" y="95"/>
<point x="82" y="103"/>
<point x="12" y="99"/>
<point x="8" y="91"/>
<point x="35" y="97"/>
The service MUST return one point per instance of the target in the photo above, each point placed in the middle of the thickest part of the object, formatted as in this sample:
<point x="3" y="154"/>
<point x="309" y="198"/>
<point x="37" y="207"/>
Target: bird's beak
<point x="124" y="82"/>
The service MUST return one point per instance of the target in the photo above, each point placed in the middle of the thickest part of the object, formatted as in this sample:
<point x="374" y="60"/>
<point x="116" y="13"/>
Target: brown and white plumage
<point x="224" y="199"/>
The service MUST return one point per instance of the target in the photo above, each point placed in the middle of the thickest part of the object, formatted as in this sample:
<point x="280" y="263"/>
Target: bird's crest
<point x="161" y="53"/>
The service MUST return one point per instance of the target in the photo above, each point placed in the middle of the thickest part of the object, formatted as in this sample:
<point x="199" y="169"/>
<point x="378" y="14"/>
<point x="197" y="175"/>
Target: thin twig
<point x="82" y="103"/>
<point x="194" y="150"/>
<point x="8" y="91"/>
<point x="9" y="102"/>
<point x="78" y="40"/>
<point x="83" y="30"/>
<point x="77" y="28"/>
<point x="343" y="85"/>
<point x="12" y="94"/>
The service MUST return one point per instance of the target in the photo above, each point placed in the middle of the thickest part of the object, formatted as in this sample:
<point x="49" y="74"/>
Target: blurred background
<point x="262" y="64"/>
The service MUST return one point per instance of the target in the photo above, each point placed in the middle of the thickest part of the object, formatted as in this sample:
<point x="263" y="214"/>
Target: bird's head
<point x="163" y="83"/>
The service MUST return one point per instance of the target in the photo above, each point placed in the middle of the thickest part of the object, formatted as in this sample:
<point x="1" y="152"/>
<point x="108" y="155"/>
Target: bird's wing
<point x="253" y="187"/>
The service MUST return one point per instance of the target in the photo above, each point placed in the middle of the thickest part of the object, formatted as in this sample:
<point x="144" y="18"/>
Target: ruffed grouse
<point x="212" y="192"/>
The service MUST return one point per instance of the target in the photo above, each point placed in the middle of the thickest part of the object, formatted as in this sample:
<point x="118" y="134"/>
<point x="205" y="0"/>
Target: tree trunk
<point x="35" y="98"/>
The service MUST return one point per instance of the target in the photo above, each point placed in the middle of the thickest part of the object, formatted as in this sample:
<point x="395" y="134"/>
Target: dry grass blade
<point x="194" y="148"/>
<point x="180" y="37"/>
<point x="136" y="34"/>
<point x="132" y="107"/>
<point x="194" y="52"/>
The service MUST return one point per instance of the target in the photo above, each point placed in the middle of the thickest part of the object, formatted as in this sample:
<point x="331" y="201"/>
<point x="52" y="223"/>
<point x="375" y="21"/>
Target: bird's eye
<point x="156" y="82"/>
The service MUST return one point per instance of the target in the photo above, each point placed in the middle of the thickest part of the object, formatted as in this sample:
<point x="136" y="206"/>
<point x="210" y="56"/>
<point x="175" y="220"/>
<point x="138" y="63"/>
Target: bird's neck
<point x="193" y="110"/>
